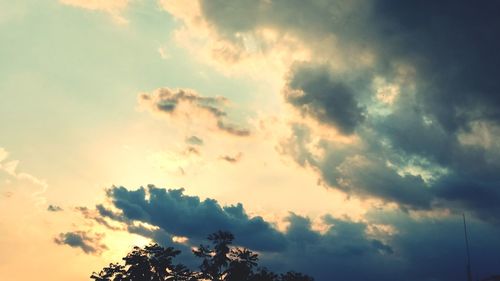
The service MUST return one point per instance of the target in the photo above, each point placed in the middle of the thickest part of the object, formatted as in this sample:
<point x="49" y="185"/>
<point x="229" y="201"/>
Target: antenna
<point x="469" y="271"/>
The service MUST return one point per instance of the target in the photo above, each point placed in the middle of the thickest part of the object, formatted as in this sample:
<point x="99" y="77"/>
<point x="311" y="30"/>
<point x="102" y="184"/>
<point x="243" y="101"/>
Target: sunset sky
<point x="343" y="139"/>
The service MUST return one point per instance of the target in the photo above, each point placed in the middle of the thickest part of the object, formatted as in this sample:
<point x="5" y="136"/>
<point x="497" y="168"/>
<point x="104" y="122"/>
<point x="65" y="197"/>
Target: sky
<point x="343" y="138"/>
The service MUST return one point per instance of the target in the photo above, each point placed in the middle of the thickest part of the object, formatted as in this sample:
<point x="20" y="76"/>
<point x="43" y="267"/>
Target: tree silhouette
<point x="217" y="259"/>
<point x="113" y="272"/>
<point x="263" y="274"/>
<point x="153" y="263"/>
<point x="220" y="262"/>
<point x="241" y="265"/>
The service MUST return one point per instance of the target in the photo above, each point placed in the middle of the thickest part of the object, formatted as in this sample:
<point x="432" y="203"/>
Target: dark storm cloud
<point x="471" y="181"/>
<point x="420" y="249"/>
<point x="88" y="242"/>
<point x="427" y="242"/>
<point x="450" y="52"/>
<point x="183" y="215"/>
<point x="361" y="175"/>
<point x="407" y="248"/>
<point x="479" y="195"/>
<point x="325" y="99"/>
<point x="452" y="44"/>
<point x="462" y="178"/>
<point x="361" y="172"/>
<point x="455" y="48"/>
<point x="408" y="132"/>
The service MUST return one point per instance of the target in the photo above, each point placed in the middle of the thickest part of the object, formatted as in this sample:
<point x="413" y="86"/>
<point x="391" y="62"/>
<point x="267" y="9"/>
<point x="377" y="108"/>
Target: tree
<point x="221" y="262"/>
<point x="242" y="261"/>
<point x="113" y="272"/>
<point x="215" y="260"/>
<point x="181" y="273"/>
<point x="153" y="263"/>
<point x="263" y="274"/>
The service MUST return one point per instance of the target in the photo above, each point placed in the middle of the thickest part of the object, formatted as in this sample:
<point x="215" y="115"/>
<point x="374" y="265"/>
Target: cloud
<point x="460" y="83"/>
<point x="446" y="53"/>
<point x="314" y="92"/>
<point x="410" y="159"/>
<point x="414" y="84"/>
<point x="231" y="159"/>
<point x="194" y="140"/>
<point x="347" y="251"/>
<point x="189" y="105"/>
<point x="192" y="150"/>
<point x="453" y="177"/>
<point x="188" y="216"/>
<point x="20" y="179"/>
<point x="114" y="8"/>
<point x="88" y="242"/>
<point x="231" y="129"/>
<point x="389" y="245"/>
<point x="99" y="215"/>
<point x="54" y="208"/>
<point x="11" y="168"/>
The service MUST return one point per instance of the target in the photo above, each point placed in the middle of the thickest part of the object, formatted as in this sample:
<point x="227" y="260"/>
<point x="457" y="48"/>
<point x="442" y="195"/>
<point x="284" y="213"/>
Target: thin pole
<point x="469" y="271"/>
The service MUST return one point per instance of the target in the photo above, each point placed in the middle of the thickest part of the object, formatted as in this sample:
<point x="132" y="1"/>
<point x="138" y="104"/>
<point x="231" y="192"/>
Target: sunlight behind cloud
<point x="333" y="137"/>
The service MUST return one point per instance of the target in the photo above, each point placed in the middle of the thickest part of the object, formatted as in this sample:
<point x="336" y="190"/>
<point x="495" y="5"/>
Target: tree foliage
<point x="221" y="261"/>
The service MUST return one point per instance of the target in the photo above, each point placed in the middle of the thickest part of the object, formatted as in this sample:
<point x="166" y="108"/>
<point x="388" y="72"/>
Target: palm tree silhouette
<point x="215" y="259"/>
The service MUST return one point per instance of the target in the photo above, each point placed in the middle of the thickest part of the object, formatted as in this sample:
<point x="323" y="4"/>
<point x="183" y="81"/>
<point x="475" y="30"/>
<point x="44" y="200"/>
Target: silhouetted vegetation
<point x="220" y="262"/>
